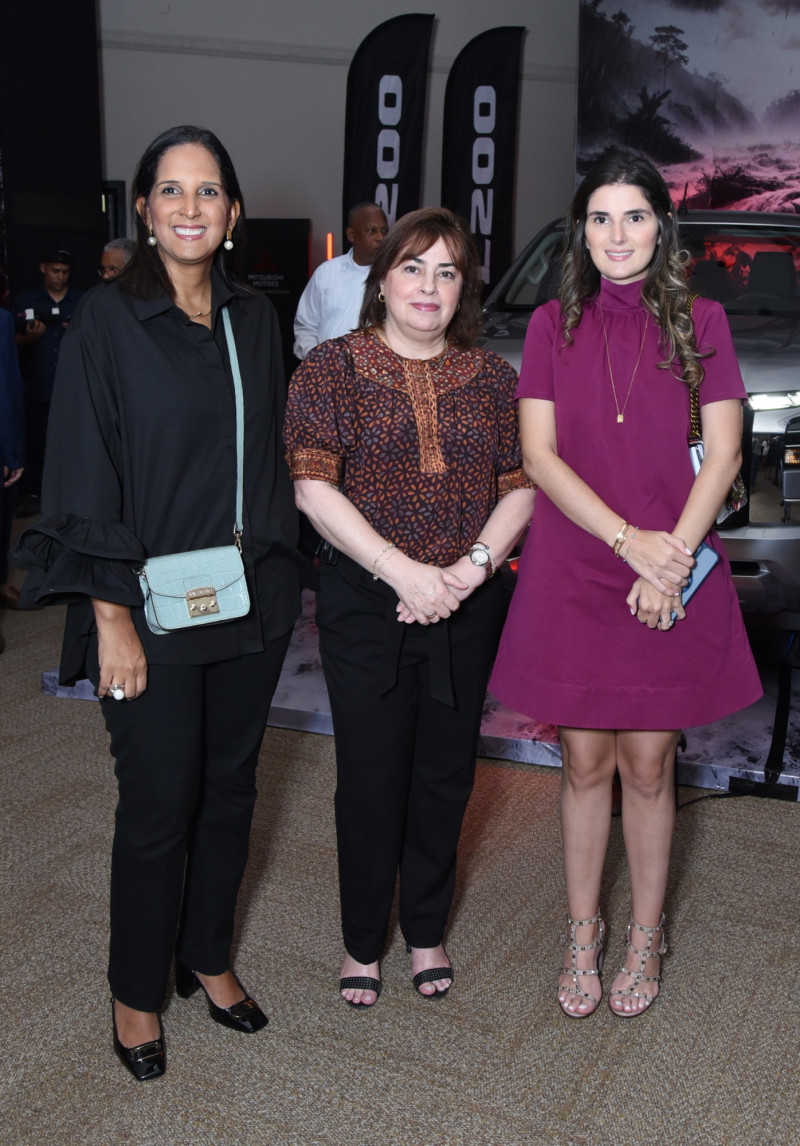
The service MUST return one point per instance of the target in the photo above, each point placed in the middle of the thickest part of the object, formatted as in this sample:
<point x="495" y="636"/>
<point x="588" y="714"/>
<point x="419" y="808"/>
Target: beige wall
<point x="270" y="77"/>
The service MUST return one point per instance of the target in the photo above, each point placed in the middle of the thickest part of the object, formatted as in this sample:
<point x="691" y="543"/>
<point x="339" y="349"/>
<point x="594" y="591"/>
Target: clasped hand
<point x="661" y="559"/>
<point x="664" y="564"/>
<point x="652" y="608"/>
<point x="426" y="593"/>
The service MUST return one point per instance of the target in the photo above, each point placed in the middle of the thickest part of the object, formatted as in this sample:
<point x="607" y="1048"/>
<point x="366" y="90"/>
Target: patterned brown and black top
<point x="423" y="448"/>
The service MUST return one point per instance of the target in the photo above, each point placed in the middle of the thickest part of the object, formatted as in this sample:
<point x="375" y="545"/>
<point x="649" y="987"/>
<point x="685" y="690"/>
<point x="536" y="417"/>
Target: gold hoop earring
<point x="152" y="241"/>
<point x="228" y="244"/>
<point x="381" y="297"/>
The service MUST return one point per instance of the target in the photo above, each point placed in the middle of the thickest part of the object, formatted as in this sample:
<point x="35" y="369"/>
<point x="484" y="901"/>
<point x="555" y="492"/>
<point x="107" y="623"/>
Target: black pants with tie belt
<point x="406" y="702"/>
<point x="186" y="753"/>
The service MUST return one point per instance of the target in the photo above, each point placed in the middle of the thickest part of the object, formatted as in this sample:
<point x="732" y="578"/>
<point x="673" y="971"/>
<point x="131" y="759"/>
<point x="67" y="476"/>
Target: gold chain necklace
<point x="621" y="413"/>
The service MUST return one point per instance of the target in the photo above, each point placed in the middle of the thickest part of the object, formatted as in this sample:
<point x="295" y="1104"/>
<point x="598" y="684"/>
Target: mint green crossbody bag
<point x="202" y="586"/>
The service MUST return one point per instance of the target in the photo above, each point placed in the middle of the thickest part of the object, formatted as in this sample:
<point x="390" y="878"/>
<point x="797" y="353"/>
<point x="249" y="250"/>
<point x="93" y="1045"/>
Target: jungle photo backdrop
<point x="709" y="89"/>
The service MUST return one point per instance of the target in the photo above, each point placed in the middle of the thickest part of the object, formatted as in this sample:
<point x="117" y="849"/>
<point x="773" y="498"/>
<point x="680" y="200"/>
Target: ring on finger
<point x="430" y="616"/>
<point x="117" y="691"/>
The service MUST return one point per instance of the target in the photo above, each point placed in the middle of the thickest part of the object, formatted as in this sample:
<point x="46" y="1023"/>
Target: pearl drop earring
<point x="228" y="244"/>
<point x="151" y="239"/>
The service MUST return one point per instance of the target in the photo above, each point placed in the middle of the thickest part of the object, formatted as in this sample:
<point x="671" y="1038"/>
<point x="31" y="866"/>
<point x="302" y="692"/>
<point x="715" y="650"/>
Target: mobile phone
<point x="705" y="559"/>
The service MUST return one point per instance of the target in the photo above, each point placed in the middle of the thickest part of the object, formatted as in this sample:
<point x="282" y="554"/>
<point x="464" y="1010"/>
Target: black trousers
<point x="186" y="754"/>
<point x="8" y="500"/>
<point x="36" y="418"/>
<point x="406" y="742"/>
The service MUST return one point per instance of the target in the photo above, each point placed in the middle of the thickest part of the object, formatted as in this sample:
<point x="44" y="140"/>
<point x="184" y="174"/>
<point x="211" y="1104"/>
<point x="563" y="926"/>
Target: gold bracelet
<point x="630" y="543"/>
<point x="392" y="549"/>
<point x="391" y="545"/>
<point x="619" y="540"/>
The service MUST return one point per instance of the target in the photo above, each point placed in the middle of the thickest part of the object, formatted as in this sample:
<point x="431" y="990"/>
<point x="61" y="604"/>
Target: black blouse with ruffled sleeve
<point x="141" y="461"/>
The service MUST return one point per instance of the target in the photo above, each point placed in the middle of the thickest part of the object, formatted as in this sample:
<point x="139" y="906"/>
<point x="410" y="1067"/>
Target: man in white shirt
<point x="331" y="303"/>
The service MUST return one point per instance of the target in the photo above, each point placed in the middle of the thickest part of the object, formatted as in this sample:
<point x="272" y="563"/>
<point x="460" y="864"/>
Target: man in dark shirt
<point x="41" y="317"/>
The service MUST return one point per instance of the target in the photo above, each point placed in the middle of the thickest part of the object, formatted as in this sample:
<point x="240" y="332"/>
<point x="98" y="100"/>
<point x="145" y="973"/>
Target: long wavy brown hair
<point x="413" y="235"/>
<point x="664" y="290"/>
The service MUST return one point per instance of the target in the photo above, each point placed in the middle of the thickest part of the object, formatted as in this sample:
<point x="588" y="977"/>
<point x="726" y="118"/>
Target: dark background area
<point x="50" y="139"/>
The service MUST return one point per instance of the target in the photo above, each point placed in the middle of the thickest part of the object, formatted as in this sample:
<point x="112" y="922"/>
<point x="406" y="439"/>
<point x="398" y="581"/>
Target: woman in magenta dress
<point x="590" y="643"/>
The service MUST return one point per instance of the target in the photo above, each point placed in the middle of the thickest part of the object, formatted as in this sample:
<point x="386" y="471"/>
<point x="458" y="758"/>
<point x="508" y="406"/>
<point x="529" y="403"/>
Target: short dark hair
<point x="363" y="206"/>
<point x="146" y="272"/>
<point x="412" y="235"/>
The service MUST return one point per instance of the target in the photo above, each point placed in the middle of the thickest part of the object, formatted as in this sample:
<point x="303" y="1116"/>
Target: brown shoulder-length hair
<point x="413" y="235"/>
<point x="664" y="290"/>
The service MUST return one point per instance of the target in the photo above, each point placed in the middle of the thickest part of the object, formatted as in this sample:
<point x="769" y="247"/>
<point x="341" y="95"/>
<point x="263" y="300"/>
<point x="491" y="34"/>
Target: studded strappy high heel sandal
<point x="637" y="974"/>
<point x="574" y="948"/>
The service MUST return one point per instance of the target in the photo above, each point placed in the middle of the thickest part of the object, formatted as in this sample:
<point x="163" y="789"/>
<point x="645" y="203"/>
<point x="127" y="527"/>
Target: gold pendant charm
<point x="620" y="417"/>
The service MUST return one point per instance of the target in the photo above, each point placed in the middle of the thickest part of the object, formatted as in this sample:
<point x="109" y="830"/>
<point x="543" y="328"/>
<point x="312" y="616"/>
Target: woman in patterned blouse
<point x="403" y="445"/>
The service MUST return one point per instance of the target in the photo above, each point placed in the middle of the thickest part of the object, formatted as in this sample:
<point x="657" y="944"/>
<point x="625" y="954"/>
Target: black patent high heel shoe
<point x="148" y="1060"/>
<point x="245" y="1016"/>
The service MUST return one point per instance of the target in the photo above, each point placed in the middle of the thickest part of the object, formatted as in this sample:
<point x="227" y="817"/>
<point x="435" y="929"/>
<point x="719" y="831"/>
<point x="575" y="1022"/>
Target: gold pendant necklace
<point x="621" y="413"/>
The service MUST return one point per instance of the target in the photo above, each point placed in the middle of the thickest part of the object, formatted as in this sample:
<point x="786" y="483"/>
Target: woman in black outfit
<point x="142" y="462"/>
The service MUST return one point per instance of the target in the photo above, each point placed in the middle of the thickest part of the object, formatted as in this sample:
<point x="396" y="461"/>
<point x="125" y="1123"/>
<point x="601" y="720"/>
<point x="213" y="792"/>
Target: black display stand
<point x="785" y="627"/>
<point x="277" y="263"/>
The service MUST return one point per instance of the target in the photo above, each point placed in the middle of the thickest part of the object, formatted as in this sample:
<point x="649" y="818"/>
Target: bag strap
<point x="239" y="397"/>
<point x="695" y="429"/>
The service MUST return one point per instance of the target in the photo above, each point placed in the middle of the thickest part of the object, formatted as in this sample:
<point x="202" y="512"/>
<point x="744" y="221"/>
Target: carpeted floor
<point x="713" y="1063"/>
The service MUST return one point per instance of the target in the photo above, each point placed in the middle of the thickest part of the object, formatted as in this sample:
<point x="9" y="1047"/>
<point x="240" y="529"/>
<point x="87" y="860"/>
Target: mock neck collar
<point x="619" y="296"/>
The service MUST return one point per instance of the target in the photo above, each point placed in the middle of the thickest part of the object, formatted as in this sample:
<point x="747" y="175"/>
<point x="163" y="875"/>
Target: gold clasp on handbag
<point x="202" y="602"/>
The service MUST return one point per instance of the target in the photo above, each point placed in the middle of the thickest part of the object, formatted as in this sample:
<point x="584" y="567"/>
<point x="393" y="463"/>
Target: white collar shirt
<point x="330" y="304"/>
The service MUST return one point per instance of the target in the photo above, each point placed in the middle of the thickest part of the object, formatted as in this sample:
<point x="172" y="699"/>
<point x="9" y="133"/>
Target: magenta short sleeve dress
<point x="571" y="654"/>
